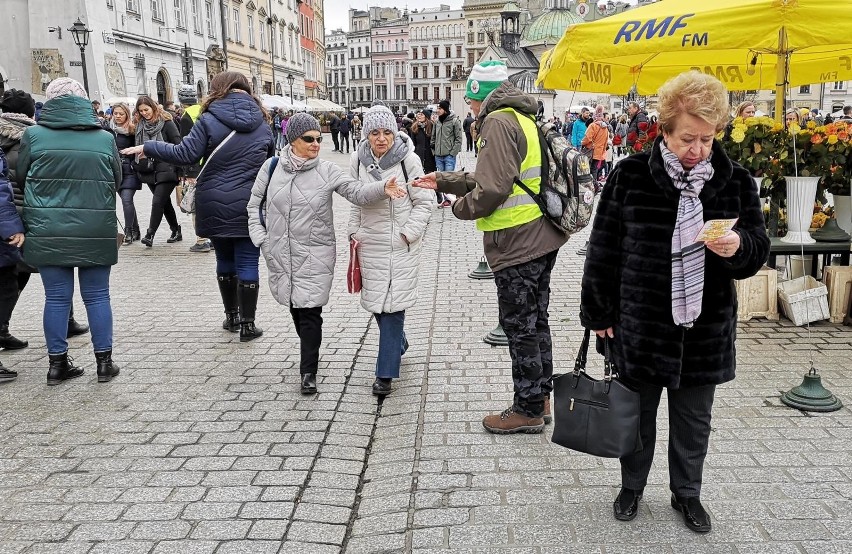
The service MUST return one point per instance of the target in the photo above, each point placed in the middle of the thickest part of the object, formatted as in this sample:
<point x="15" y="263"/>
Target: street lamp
<point x="81" y="38"/>
<point x="290" y="80"/>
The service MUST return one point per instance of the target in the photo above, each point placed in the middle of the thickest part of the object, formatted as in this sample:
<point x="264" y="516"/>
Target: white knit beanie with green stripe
<point x="485" y="77"/>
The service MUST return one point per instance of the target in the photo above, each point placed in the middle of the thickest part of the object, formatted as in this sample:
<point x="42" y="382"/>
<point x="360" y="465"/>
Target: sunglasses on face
<point x="310" y="140"/>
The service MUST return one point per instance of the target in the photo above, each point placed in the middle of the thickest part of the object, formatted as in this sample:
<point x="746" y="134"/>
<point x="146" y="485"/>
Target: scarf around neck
<point x="375" y="167"/>
<point x="687" y="255"/>
<point x="123" y="130"/>
<point x="147" y="131"/>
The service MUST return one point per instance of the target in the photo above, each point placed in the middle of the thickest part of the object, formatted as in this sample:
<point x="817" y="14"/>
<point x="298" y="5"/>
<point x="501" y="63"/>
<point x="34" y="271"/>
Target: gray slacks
<point x="689" y="435"/>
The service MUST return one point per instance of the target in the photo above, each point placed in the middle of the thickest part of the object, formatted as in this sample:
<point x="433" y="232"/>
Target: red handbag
<point x="353" y="274"/>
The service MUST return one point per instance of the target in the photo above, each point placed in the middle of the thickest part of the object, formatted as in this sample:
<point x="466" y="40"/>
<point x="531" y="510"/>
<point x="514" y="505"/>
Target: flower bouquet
<point x="644" y="139"/>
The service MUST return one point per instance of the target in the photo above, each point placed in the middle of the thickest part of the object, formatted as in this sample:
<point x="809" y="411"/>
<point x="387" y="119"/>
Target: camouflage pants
<point x="523" y="294"/>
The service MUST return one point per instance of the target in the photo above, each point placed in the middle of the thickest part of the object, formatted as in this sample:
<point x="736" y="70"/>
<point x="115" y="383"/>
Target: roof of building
<point x="525" y="80"/>
<point x="548" y="27"/>
<point x="522" y="59"/>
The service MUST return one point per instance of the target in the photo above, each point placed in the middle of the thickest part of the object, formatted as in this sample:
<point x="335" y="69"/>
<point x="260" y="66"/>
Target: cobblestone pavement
<point x="204" y="445"/>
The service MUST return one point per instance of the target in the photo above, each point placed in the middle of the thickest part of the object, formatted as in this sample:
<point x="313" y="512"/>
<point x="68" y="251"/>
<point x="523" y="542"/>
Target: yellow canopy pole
<point x="781" y="75"/>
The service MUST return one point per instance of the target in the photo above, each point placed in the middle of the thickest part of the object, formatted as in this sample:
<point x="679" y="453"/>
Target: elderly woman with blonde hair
<point x="665" y="300"/>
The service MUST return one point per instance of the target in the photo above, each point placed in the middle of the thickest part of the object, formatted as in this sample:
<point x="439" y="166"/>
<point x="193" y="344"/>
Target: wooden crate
<point x="757" y="296"/>
<point x="838" y="280"/>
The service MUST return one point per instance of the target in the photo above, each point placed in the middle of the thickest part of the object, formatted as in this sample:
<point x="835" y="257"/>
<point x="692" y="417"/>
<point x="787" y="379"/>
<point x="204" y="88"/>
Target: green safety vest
<point x="519" y="208"/>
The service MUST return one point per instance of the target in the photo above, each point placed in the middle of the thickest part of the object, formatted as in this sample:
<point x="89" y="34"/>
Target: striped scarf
<point x="687" y="255"/>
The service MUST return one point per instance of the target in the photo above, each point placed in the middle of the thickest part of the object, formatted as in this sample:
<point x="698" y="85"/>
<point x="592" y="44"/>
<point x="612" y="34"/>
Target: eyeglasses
<point x="467" y="100"/>
<point x="310" y="140"/>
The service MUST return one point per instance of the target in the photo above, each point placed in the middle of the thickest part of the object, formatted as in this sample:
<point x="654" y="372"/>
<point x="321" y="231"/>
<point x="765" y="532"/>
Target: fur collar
<point x="12" y="125"/>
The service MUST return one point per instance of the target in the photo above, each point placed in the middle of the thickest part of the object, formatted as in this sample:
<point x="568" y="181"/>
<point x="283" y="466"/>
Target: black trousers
<point x="308" y="324"/>
<point x="335" y="140"/>
<point x="689" y="435"/>
<point x="12" y="282"/>
<point x="468" y="141"/>
<point x="344" y="140"/>
<point x="523" y="295"/>
<point x="162" y="205"/>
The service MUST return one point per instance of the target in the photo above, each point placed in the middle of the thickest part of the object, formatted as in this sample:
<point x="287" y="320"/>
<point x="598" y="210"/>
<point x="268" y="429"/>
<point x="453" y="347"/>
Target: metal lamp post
<point x="81" y="38"/>
<point x="290" y="80"/>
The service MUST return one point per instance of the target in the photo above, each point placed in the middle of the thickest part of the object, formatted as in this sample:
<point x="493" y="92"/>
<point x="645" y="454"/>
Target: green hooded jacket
<point x="69" y="169"/>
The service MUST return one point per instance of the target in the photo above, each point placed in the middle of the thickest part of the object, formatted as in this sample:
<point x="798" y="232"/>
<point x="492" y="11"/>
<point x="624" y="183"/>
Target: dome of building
<point x="548" y="28"/>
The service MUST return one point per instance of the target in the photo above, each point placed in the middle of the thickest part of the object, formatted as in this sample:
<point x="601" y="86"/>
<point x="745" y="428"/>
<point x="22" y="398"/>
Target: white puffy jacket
<point x="389" y="265"/>
<point x="298" y="240"/>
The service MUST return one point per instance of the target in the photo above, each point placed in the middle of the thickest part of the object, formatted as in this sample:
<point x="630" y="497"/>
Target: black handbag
<point x="598" y="417"/>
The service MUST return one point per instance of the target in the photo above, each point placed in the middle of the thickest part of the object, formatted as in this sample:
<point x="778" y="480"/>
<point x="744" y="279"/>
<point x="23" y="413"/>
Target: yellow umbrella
<point x="747" y="44"/>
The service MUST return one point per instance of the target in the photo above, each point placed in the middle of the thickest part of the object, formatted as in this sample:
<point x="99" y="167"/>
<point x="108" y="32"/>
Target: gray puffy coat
<point x="298" y="241"/>
<point x="389" y="265"/>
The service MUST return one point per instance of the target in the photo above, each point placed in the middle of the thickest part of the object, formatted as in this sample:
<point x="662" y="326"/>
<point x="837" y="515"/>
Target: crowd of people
<point x="666" y="303"/>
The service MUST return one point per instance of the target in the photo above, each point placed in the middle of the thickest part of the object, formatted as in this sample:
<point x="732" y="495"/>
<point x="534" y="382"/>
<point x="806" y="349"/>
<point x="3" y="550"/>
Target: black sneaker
<point x="382" y="386"/>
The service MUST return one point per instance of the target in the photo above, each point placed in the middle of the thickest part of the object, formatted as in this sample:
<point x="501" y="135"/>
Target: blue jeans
<point x="445" y="163"/>
<point x="392" y="344"/>
<point x="238" y="256"/>
<point x="59" y="288"/>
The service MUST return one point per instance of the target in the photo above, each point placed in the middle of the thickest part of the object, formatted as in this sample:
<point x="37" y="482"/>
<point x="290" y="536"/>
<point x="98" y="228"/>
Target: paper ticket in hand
<point x="715" y="229"/>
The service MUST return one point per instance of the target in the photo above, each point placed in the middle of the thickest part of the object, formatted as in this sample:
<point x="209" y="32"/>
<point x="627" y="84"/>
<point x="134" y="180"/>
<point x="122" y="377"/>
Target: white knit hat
<point x="378" y="117"/>
<point x="485" y="77"/>
<point x="64" y="86"/>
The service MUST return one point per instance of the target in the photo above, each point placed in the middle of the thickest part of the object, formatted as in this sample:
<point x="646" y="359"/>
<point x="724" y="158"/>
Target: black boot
<point x="10" y="342"/>
<point x="177" y="236"/>
<point x="61" y="369"/>
<point x="309" y="383"/>
<point x="136" y="234"/>
<point x="7" y="374"/>
<point x="247" y="294"/>
<point x="106" y="369"/>
<point x="75" y="328"/>
<point x="228" y="290"/>
<point x="148" y="239"/>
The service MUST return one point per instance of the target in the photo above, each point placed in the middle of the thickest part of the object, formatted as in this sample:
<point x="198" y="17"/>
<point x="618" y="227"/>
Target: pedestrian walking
<point x="124" y="132"/>
<point x="520" y="245"/>
<point x="421" y="137"/>
<point x="345" y="127"/>
<point x="468" y="138"/>
<point x="191" y="113"/>
<point x="71" y="171"/>
<point x="334" y="127"/>
<point x="233" y="137"/>
<point x="669" y="303"/>
<point x="578" y="130"/>
<point x="297" y="234"/>
<point x="161" y="177"/>
<point x="356" y="132"/>
<point x="595" y="140"/>
<point x="390" y="234"/>
<point x="11" y="239"/>
<point x="446" y="143"/>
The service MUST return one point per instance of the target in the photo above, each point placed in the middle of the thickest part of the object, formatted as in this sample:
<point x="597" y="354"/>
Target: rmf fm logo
<point x="637" y="30"/>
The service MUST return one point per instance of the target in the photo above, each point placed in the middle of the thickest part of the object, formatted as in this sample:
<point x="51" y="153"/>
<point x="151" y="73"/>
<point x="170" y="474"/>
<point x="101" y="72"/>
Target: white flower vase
<point x="843" y="212"/>
<point x="801" y="193"/>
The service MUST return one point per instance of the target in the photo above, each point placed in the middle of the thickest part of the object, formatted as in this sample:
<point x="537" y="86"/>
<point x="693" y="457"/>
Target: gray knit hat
<point x="299" y="124"/>
<point x="378" y="117"/>
<point x="64" y="86"/>
<point x="187" y="95"/>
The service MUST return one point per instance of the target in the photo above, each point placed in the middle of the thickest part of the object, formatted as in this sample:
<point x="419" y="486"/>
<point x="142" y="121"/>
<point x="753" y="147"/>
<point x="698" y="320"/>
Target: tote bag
<point x="598" y="417"/>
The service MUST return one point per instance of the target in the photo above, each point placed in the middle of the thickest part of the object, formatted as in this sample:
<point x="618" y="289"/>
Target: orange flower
<point x="843" y="136"/>
<point x="817" y="139"/>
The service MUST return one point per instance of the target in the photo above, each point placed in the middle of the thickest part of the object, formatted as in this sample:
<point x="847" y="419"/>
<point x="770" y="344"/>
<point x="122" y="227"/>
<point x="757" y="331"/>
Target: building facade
<point x="436" y="53"/>
<point x="336" y="63"/>
<point x="360" y="66"/>
<point x="390" y="62"/>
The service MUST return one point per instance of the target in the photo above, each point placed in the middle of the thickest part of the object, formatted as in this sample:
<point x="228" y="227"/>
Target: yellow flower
<point x="751" y="120"/>
<point x="832" y="139"/>
<point x="794" y="128"/>
<point x="812" y="124"/>
<point x="720" y="135"/>
<point x="738" y="134"/>
<point x="777" y="126"/>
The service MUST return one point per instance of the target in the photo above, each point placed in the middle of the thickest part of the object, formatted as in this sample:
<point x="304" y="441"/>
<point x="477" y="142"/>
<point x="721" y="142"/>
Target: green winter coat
<point x="70" y="169"/>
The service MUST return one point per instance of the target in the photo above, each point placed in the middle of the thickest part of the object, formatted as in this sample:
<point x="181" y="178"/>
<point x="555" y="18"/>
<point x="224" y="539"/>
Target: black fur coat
<point x="627" y="276"/>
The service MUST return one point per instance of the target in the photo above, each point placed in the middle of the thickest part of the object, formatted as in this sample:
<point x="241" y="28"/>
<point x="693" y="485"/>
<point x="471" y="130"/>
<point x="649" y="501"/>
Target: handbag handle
<point x="610" y="370"/>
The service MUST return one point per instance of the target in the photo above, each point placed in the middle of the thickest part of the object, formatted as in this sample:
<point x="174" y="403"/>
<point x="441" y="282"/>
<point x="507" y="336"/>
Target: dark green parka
<point x="70" y="169"/>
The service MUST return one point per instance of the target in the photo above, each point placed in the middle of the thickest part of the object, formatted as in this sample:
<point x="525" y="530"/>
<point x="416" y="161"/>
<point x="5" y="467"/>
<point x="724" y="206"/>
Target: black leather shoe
<point x="106" y="368"/>
<point x="75" y="328"/>
<point x="694" y="515"/>
<point x="177" y="236"/>
<point x="148" y="239"/>
<point x="309" y="383"/>
<point x="382" y="387"/>
<point x="61" y="368"/>
<point x="7" y="374"/>
<point x="9" y="341"/>
<point x="626" y="505"/>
